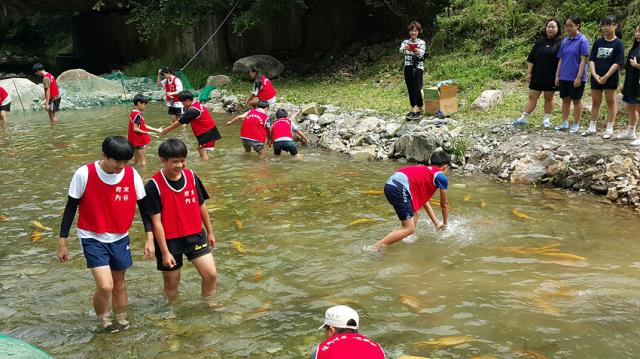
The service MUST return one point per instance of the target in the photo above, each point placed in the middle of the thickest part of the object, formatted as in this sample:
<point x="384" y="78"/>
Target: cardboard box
<point x="443" y="98"/>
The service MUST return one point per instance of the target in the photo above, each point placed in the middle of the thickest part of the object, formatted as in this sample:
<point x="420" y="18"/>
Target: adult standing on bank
<point x="570" y="74"/>
<point x="341" y="324"/>
<point x="541" y="73"/>
<point x="5" y="104"/>
<point x="414" y="50"/>
<point x="607" y="56"/>
<point x="631" y="90"/>
<point x="51" y="93"/>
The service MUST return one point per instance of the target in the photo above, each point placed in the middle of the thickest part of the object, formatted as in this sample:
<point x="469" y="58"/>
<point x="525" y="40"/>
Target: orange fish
<point x="410" y="301"/>
<point x="257" y="276"/>
<point x="520" y="215"/>
<point x="36" y="236"/>
<point x="467" y="198"/>
<point x="373" y="192"/>
<point x="448" y="341"/>
<point x="3" y="218"/>
<point x="238" y="224"/>
<point x="483" y="204"/>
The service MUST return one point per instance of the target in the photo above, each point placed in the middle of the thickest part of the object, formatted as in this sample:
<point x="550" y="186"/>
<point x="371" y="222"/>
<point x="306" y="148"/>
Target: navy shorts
<point x="631" y="100"/>
<point x="116" y="255"/>
<point x="287" y="146"/>
<point x="400" y="199"/>
<point x="567" y="90"/>
<point x="193" y="246"/>
<point x="249" y="144"/>
<point x="6" y="107"/>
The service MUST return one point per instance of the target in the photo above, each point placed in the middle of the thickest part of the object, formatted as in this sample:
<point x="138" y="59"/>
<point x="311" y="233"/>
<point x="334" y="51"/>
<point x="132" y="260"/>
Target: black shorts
<point x="631" y="100"/>
<point x="288" y="146"/>
<point x="177" y="111"/>
<point x="55" y="105"/>
<point x="611" y="84"/>
<point x="192" y="246"/>
<point x="567" y="90"/>
<point x="6" y="107"/>
<point x="542" y="87"/>
<point x="138" y="147"/>
<point x="400" y="199"/>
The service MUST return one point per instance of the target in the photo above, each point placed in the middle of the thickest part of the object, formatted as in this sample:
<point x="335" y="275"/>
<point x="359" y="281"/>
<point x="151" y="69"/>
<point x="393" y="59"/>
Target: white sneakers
<point x="628" y="135"/>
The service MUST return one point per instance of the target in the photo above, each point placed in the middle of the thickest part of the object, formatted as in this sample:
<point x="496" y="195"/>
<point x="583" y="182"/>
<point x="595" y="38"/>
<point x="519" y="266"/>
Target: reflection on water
<point x="495" y="283"/>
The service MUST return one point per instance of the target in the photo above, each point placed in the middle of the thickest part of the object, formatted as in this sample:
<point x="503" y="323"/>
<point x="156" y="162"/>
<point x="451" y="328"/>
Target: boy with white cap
<point x="340" y="326"/>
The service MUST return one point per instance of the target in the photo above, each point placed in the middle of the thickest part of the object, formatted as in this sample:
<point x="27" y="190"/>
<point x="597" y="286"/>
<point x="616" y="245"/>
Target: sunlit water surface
<point x="488" y="279"/>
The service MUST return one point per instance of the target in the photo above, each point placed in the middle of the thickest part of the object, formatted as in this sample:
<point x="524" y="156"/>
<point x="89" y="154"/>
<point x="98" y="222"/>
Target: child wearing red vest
<point x="343" y="341"/>
<point x="262" y="89"/>
<point x="138" y="131"/>
<point x="106" y="192"/>
<point x="172" y="86"/>
<point x="254" y="131"/>
<point x="411" y="188"/>
<point x="175" y="203"/>
<point x="51" y="92"/>
<point x="5" y="104"/>
<point x="202" y="124"/>
<point x="282" y="131"/>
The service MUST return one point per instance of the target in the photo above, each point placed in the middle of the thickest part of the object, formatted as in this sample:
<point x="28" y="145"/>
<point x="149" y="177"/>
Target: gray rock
<point x="332" y="142"/>
<point x="599" y="188"/>
<point x="619" y="166"/>
<point x="405" y="129"/>
<point x="367" y="125"/>
<point x="312" y="109"/>
<point x="218" y="80"/>
<point x="31" y="95"/>
<point x="371" y="139"/>
<point x="267" y="64"/>
<point x="612" y="194"/>
<point x="311" y="118"/>
<point x="418" y="147"/>
<point x="487" y="99"/>
<point x="363" y="154"/>
<point x="326" y="119"/>
<point x="532" y="168"/>
<point x="390" y="128"/>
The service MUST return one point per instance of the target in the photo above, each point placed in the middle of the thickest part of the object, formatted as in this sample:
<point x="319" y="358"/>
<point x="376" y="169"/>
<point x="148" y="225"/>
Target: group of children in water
<point x="172" y="203"/>
<point x="557" y="64"/>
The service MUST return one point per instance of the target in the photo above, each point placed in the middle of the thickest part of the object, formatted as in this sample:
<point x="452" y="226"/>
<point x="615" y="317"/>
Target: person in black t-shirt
<point x="631" y="90"/>
<point x="541" y="71"/>
<point x="607" y="55"/>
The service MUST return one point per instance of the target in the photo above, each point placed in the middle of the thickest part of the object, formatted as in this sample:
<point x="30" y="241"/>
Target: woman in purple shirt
<point x="571" y="75"/>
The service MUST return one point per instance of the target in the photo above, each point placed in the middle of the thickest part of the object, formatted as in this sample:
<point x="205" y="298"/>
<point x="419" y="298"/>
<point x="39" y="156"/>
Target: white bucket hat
<point x="339" y="315"/>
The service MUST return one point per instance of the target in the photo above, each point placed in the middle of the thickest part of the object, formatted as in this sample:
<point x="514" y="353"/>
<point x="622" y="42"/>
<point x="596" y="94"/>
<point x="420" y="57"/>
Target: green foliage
<point x="459" y="146"/>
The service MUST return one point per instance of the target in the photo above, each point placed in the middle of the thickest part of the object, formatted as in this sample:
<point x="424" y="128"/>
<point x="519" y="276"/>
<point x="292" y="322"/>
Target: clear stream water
<point x="486" y="281"/>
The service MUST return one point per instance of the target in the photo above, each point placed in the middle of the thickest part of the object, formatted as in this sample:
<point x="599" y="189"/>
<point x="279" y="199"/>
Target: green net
<point x="145" y="84"/>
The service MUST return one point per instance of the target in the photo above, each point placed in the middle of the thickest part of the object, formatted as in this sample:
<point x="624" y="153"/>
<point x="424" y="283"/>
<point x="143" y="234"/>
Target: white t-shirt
<point x="179" y="88"/>
<point x="78" y="185"/>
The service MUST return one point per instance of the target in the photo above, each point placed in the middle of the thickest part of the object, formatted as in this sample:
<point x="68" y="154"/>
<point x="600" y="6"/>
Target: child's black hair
<point x="575" y="19"/>
<point x="37" y="67"/>
<point x="281" y="113"/>
<point x="168" y="70"/>
<point x="440" y="158"/>
<point x="263" y="104"/>
<point x="612" y="20"/>
<point x="140" y="98"/>
<point x="117" y="148"/>
<point x="172" y="148"/>
<point x="185" y="95"/>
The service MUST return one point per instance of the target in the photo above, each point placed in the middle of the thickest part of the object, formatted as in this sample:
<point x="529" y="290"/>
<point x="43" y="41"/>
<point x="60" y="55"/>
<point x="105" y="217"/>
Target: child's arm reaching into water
<point x="303" y="137"/>
<point x="444" y="207"/>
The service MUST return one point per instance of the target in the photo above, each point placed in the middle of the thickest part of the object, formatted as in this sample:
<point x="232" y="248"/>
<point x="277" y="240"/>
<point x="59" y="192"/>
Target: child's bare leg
<point x="206" y="266"/>
<point x="171" y="282"/>
<point x="142" y="156"/>
<point x="3" y="116"/>
<point x="262" y="153"/>
<point x="119" y="296"/>
<point x="203" y="154"/>
<point x="52" y="116"/>
<point x="408" y="228"/>
<point x="104" y="288"/>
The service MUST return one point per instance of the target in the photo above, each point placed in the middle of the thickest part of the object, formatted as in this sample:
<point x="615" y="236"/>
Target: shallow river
<point x="494" y="281"/>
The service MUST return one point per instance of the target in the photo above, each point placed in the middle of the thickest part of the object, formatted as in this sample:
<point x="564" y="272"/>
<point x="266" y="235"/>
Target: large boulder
<point x="267" y="64"/>
<point x="487" y="99"/>
<point x="25" y="95"/>
<point x="218" y="80"/>
<point x="83" y="89"/>
<point x="417" y="146"/>
<point x="531" y="168"/>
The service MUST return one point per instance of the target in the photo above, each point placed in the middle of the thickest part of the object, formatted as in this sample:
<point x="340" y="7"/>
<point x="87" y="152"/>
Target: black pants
<point x="413" y="79"/>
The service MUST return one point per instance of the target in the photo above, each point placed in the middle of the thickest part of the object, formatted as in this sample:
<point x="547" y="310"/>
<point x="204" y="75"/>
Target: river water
<point x="492" y="285"/>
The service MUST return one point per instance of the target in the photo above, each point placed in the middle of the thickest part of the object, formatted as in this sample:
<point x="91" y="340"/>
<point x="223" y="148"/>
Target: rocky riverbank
<point x="531" y="156"/>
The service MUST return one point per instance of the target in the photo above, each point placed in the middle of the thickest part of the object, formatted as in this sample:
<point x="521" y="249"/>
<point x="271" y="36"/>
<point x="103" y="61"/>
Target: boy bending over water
<point x="175" y="202"/>
<point x="411" y="188"/>
<point x="106" y="191"/>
